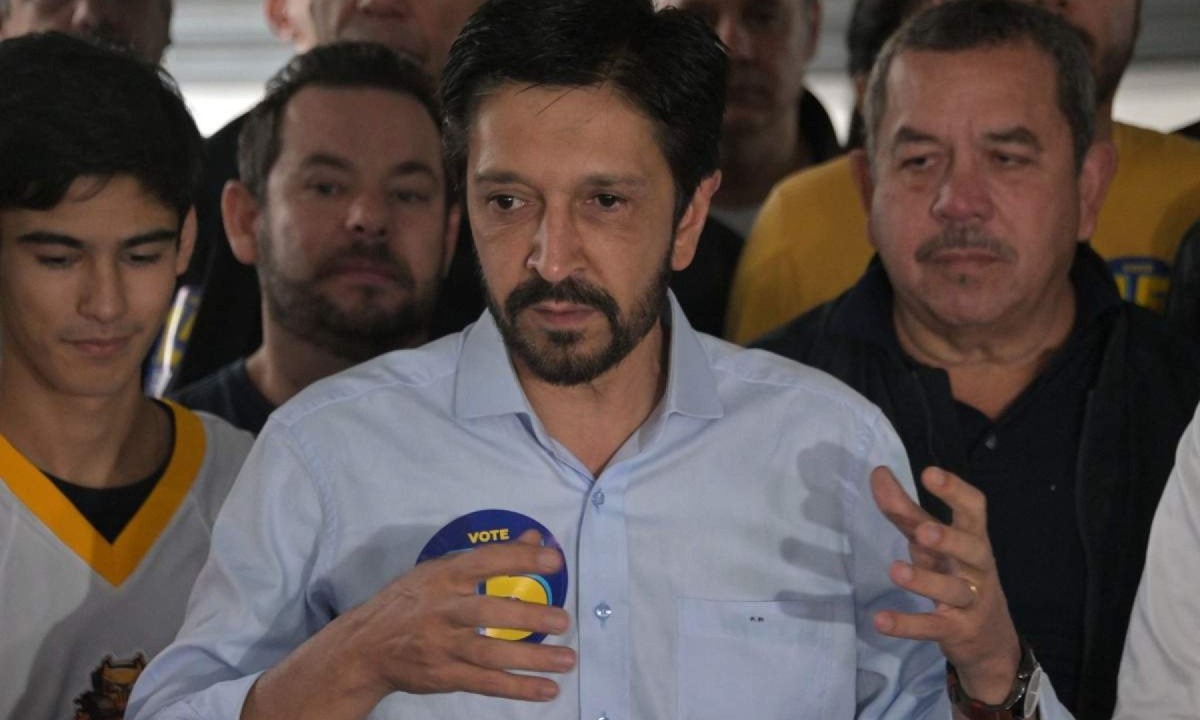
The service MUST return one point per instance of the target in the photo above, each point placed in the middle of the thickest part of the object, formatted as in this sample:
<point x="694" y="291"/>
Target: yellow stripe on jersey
<point x="115" y="561"/>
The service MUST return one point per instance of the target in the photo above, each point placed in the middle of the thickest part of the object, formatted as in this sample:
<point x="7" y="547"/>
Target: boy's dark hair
<point x="667" y="64"/>
<point x="71" y="109"/>
<point x="970" y="24"/>
<point x="335" y="65"/>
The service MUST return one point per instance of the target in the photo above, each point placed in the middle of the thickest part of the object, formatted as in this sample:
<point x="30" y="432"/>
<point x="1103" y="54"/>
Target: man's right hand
<point x="420" y="634"/>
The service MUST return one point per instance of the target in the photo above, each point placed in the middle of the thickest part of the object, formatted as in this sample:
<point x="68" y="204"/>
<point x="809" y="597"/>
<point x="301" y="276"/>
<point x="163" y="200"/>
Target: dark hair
<point x="872" y="22"/>
<point x="71" y="109"/>
<point x="969" y="24"/>
<point x="336" y="65"/>
<point x="667" y="64"/>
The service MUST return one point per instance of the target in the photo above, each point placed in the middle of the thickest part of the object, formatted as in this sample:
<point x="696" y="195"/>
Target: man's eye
<point x="761" y="18"/>
<point x="1009" y="159"/>
<point x="506" y="203"/>
<point x="55" y="261"/>
<point x="609" y="201"/>
<point x="412" y="197"/>
<point x="144" y="258"/>
<point x="325" y="188"/>
<point x="916" y="162"/>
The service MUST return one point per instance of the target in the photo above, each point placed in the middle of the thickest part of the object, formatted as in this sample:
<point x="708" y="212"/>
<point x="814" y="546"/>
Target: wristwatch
<point x="1021" y="703"/>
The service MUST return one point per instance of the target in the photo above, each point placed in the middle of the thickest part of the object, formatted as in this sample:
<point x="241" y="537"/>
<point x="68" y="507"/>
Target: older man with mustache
<point x="993" y="336"/>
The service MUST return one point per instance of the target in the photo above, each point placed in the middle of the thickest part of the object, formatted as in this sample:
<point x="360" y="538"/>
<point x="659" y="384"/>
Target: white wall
<point x="222" y="53"/>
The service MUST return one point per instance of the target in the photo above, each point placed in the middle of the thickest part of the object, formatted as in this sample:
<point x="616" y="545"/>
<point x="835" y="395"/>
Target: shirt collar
<point x="486" y="383"/>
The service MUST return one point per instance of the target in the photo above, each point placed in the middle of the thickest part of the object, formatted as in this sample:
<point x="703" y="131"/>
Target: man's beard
<point x="365" y="330"/>
<point x="556" y="359"/>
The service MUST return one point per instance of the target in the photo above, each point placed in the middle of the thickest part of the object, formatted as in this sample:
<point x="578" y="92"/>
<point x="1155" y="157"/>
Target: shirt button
<point x="603" y="716"/>
<point x="991" y="442"/>
<point x="603" y="611"/>
<point x="598" y="498"/>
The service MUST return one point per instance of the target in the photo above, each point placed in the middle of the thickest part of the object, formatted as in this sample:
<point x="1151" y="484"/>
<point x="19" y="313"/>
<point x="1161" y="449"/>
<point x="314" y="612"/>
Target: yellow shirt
<point x="810" y="241"/>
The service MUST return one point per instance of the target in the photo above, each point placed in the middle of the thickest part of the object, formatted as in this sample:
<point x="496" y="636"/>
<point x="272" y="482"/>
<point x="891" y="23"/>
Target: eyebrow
<point x="906" y="135"/>
<point x="1018" y="135"/>
<point x="39" y="238"/>
<point x="408" y="167"/>
<point x="601" y="180"/>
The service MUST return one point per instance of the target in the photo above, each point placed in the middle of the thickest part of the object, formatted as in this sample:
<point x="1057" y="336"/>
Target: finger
<point x="482" y="611"/>
<point x="926" y="558"/>
<point x="915" y="626"/>
<point x="497" y="654"/>
<point x="949" y="590"/>
<point x="530" y="537"/>
<point x="967" y="549"/>
<point x="896" y="504"/>
<point x="968" y="504"/>
<point x="510" y="558"/>
<point x="495" y="683"/>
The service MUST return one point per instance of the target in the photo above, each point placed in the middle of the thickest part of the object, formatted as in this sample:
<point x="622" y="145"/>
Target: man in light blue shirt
<point x="696" y="526"/>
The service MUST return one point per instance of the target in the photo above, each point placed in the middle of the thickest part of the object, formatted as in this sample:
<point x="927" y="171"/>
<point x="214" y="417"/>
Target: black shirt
<point x="1025" y="461"/>
<point x="109" y="510"/>
<point x="230" y="394"/>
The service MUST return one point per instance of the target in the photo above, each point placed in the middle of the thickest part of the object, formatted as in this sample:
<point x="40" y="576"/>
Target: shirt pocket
<point x="767" y="660"/>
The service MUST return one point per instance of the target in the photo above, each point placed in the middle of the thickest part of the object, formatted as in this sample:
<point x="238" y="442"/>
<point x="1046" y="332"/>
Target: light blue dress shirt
<point x="725" y="564"/>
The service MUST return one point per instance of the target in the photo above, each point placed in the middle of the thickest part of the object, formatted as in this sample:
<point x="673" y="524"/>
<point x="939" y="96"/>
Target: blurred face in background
<point x="770" y="45"/>
<point x="292" y="22"/>
<point x="1110" y="29"/>
<point x="143" y="25"/>
<point x="420" y="29"/>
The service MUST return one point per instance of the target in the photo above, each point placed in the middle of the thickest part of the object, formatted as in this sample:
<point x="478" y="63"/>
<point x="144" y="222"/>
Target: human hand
<point x="952" y="565"/>
<point x="420" y="634"/>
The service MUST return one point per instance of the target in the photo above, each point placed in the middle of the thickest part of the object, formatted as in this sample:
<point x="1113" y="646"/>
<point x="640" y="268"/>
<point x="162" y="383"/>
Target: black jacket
<point x="1142" y="398"/>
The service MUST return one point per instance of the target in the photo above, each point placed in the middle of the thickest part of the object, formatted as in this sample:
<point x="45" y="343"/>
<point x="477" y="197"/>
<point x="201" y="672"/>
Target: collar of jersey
<point x="118" y="560"/>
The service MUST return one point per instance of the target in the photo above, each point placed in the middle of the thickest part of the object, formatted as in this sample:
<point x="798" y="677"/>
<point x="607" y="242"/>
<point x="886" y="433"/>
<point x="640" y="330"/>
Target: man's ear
<point x="187" y="242"/>
<point x="689" y="227"/>
<point x="450" y="241"/>
<point x="864" y="182"/>
<point x="860" y="171"/>
<point x="240" y="211"/>
<point x="1099" y="167"/>
<point x="278" y="20"/>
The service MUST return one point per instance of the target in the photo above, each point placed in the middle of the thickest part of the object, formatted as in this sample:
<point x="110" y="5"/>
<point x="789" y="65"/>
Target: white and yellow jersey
<point x="80" y="616"/>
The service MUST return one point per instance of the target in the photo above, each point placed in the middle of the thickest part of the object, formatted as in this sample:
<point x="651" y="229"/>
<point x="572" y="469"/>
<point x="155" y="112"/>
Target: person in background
<point x="773" y="127"/>
<point x="871" y="23"/>
<point x="1160" y="668"/>
<point x="292" y="22"/>
<point x="992" y="335"/>
<point x="107" y="497"/>
<point x="215" y="317"/>
<point x="144" y="26"/>
<point x="658" y="533"/>
<point x="342" y="210"/>
<point x="806" y="249"/>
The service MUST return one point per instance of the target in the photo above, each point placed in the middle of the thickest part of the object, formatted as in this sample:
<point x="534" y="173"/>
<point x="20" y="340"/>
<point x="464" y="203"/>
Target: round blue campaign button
<point x="484" y="527"/>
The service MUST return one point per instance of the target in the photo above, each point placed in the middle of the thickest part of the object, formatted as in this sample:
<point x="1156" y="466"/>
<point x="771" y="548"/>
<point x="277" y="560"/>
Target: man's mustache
<point x="536" y="290"/>
<point x="960" y="237"/>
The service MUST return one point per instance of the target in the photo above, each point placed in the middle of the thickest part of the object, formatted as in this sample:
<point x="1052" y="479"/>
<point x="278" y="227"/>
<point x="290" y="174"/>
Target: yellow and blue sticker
<point x="1141" y="280"/>
<point x="484" y="527"/>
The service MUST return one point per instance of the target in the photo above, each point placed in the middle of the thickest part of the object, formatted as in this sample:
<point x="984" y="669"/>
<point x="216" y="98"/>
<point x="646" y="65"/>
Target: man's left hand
<point x="953" y="566"/>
